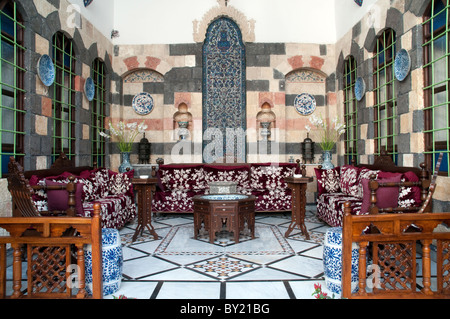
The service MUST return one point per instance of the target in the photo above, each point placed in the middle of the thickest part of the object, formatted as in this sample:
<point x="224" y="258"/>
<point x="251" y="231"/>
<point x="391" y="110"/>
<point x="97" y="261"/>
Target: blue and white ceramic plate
<point x="89" y="89"/>
<point x="402" y="64"/>
<point x="305" y="104"/>
<point x="143" y="103"/>
<point x="46" y="70"/>
<point x="360" y="88"/>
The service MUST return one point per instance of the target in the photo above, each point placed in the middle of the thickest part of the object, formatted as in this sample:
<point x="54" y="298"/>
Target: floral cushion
<point x="328" y="180"/>
<point x="409" y="196"/>
<point x="349" y="182"/>
<point x="270" y="176"/>
<point x="188" y="177"/>
<point x="120" y="183"/>
<point x="239" y="174"/>
<point x="116" y="211"/>
<point x="330" y="207"/>
<point x="277" y="199"/>
<point x="176" y="200"/>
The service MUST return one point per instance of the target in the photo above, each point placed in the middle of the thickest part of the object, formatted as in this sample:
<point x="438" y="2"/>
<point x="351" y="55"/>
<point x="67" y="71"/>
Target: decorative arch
<point x="142" y="75"/>
<point x="246" y="26"/>
<point x="224" y="92"/>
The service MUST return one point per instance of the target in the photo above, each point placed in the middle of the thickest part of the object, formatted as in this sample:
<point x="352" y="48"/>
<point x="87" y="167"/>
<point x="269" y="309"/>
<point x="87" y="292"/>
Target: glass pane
<point x="7" y="24"/>
<point x="8" y="120"/>
<point x="440" y="66"/>
<point x="7" y="68"/>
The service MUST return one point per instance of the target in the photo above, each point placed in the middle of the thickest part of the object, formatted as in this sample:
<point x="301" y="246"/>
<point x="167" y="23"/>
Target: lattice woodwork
<point x="397" y="264"/>
<point x="47" y="266"/>
<point x="445" y="266"/>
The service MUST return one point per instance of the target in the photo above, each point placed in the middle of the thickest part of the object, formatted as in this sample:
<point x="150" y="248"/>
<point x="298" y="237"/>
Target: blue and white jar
<point x="332" y="261"/>
<point x="112" y="262"/>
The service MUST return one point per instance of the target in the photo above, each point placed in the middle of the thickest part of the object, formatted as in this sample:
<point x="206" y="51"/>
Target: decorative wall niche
<point x="182" y="122"/>
<point x="265" y="121"/>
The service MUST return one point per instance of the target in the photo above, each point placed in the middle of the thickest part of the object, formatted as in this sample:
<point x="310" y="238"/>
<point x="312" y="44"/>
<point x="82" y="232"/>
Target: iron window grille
<point x="64" y="96"/>
<point x="436" y="79"/>
<point x="350" y="110"/>
<point x="385" y="107"/>
<point x="98" y="112"/>
<point x="12" y="71"/>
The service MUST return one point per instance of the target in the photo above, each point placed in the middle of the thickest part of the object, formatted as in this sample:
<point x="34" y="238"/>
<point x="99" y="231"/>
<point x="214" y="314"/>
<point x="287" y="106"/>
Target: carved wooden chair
<point x="22" y="194"/>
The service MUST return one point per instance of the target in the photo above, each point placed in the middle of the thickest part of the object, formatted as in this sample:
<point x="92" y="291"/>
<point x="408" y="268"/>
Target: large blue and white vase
<point x="327" y="156"/>
<point x="332" y="262"/>
<point x="112" y="262"/>
<point x="125" y="162"/>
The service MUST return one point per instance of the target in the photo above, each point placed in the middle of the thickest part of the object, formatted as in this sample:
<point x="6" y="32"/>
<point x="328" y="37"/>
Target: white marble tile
<point x="134" y="289"/>
<point x="189" y="290"/>
<point x="256" y="290"/>
<point x="305" y="289"/>
<point x="308" y="267"/>
<point x="182" y="274"/>
<point x="145" y="266"/>
<point x="315" y="252"/>
<point x="265" y="274"/>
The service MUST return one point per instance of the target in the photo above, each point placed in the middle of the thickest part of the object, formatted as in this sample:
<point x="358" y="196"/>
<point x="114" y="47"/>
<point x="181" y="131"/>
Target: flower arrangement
<point x="328" y="135"/>
<point x="126" y="138"/>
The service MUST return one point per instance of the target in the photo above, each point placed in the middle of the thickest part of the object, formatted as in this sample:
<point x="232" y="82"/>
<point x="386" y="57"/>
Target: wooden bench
<point x="389" y="240"/>
<point x="54" y="248"/>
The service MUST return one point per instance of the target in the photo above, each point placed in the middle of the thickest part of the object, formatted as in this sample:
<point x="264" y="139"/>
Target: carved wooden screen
<point x="224" y="98"/>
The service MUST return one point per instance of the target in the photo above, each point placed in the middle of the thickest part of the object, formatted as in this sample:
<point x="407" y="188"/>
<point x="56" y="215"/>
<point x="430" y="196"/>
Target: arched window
<point x="11" y="84"/>
<point x="437" y="81"/>
<point x="98" y="112"/>
<point x="385" y="107"/>
<point x="350" y="110"/>
<point x="63" y="96"/>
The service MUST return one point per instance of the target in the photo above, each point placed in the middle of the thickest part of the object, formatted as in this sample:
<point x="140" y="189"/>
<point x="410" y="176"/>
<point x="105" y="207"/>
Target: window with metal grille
<point x="437" y="80"/>
<point x="98" y="112"/>
<point x="63" y="96"/>
<point x="350" y="110"/>
<point x="11" y="85"/>
<point x="385" y="107"/>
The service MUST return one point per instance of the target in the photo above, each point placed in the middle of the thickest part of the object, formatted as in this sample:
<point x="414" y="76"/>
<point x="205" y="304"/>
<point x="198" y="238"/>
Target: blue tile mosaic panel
<point x="224" y="98"/>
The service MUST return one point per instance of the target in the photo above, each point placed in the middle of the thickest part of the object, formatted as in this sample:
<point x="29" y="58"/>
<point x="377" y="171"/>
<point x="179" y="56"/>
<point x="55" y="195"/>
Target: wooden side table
<point x="215" y="214"/>
<point x="144" y="188"/>
<point x="298" y="187"/>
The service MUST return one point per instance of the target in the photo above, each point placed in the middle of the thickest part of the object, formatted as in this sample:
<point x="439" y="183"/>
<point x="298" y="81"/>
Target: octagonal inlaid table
<point x="231" y="212"/>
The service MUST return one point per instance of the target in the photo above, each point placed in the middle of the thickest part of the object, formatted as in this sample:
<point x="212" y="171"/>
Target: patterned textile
<point x="269" y="176"/>
<point x="330" y="204"/>
<point x="349" y="182"/>
<point x="330" y="207"/>
<point x="178" y="184"/>
<point x="239" y="174"/>
<point x="328" y="180"/>
<point x="114" y="192"/>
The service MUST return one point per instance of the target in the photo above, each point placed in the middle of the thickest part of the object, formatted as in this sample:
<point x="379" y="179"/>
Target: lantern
<point x="308" y="149"/>
<point x="144" y="151"/>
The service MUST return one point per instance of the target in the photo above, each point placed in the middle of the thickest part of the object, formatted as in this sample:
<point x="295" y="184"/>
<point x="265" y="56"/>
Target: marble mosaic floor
<point x="176" y="266"/>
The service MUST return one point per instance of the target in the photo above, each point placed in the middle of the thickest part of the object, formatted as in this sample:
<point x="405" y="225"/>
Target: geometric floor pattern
<point x="177" y="266"/>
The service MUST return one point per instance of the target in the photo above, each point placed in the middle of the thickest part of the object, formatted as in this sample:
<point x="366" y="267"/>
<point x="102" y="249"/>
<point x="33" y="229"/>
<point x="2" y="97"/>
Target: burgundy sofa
<point x="114" y="192"/>
<point x="351" y="183"/>
<point x="179" y="183"/>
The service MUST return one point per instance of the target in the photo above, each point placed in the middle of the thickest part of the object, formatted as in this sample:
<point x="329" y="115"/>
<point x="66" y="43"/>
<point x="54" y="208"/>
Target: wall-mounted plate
<point x="360" y="88"/>
<point x="402" y="65"/>
<point x="46" y="70"/>
<point x="305" y="104"/>
<point x="143" y="103"/>
<point x="89" y="89"/>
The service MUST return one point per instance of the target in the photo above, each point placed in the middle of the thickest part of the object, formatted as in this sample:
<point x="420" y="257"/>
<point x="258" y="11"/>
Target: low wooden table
<point x="144" y="188"/>
<point x="298" y="187"/>
<point x="230" y="211"/>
